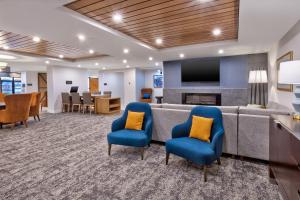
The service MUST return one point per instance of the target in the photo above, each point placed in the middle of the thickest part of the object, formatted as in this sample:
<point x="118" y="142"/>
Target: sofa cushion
<point x="128" y="138"/>
<point x="192" y="149"/>
<point x="261" y="111"/>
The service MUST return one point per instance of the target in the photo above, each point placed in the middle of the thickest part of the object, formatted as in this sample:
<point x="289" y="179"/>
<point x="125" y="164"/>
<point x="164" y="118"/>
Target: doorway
<point x="42" y="88"/>
<point x="94" y="85"/>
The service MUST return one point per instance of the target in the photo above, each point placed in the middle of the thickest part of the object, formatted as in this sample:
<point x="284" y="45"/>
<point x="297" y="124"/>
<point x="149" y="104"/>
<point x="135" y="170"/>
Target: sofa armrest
<point x="181" y="130"/>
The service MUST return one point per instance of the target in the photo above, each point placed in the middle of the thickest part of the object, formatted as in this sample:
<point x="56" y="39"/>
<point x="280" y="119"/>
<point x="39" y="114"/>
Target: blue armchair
<point x="195" y="150"/>
<point x="134" y="138"/>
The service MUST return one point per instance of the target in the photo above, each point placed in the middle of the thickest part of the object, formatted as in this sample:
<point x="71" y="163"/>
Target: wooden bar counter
<point x="107" y="105"/>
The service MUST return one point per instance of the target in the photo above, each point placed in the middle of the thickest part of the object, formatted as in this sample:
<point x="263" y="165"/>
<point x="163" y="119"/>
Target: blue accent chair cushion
<point x="146" y="96"/>
<point x="121" y="136"/>
<point x="195" y="150"/>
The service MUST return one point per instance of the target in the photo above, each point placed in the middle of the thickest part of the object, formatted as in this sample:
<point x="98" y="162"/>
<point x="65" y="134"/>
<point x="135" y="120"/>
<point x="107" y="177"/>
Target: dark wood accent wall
<point x="285" y="155"/>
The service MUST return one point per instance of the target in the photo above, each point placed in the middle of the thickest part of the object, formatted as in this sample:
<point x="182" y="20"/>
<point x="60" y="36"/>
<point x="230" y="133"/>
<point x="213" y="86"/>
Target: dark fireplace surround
<point x="202" y="99"/>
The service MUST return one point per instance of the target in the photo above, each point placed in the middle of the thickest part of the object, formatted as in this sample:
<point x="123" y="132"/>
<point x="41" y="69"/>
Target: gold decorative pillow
<point x="201" y="128"/>
<point x="135" y="120"/>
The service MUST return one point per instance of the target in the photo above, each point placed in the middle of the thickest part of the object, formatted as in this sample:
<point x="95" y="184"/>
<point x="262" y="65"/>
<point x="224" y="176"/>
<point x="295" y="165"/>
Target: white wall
<point x="290" y="42"/>
<point x="57" y="77"/>
<point x="30" y="77"/>
<point x="114" y="82"/>
<point x="149" y="83"/>
<point x="129" y="86"/>
<point x="139" y="82"/>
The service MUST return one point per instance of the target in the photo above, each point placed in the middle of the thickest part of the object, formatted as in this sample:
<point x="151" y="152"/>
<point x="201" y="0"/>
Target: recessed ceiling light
<point x="7" y="57"/>
<point x="36" y="39"/>
<point x="150" y="58"/>
<point x="117" y="17"/>
<point x="61" y="56"/>
<point x="91" y="51"/>
<point x="5" y="47"/>
<point x="156" y="64"/>
<point x="81" y="37"/>
<point x="104" y="68"/>
<point x="158" y="41"/>
<point x="3" y="64"/>
<point x="125" y="51"/>
<point x="217" y="32"/>
<point x="47" y="62"/>
<point x="78" y="65"/>
<point x="221" y="51"/>
<point x="181" y="55"/>
<point x="124" y="61"/>
<point x="127" y="66"/>
<point x="205" y="1"/>
<point x="96" y="64"/>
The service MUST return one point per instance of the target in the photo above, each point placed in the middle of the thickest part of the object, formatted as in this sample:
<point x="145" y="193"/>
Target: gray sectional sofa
<point x="246" y="129"/>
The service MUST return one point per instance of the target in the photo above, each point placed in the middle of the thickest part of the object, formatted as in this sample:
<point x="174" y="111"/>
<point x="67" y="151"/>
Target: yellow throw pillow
<point x="135" y="120"/>
<point x="201" y="128"/>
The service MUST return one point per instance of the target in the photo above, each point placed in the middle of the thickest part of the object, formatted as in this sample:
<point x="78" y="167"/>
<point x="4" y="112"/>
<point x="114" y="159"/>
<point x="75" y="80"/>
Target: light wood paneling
<point x="177" y="22"/>
<point x="25" y="45"/>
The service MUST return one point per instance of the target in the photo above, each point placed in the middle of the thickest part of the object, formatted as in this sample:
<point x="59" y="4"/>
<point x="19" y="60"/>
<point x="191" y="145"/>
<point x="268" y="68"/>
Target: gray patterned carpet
<point x="65" y="157"/>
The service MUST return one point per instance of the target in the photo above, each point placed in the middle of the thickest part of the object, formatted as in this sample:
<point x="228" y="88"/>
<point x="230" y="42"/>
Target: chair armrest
<point x="118" y="124"/>
<point x="148" y="129"/>
<point x="180" y="130"/>
<point x="217" y="142"/>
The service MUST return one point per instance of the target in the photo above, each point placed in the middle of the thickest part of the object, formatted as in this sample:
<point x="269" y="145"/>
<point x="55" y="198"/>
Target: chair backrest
<point x="107" y="93"/>
<point x="208" y="112"/>
<point x="35" y="104"/>
<point x="17" y="107"/>
<point x="75" y="98"/>
<point x="146" y="91"/>
<point x="87" y="98"/>
<point x="139" y="107"/>
<point x="65" y="97"/>
<point x="2" y="97"/>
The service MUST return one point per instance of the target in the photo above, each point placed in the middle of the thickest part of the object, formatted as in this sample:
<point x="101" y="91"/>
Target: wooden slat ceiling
<point x="25" y="45"/>
<point x="177" y="22"/>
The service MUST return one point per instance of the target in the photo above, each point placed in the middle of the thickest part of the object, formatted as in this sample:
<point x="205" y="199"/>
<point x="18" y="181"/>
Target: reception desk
<point x="107" y="105"/>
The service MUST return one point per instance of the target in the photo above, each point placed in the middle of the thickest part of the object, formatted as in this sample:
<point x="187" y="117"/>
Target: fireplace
<point x="201" y="99"/>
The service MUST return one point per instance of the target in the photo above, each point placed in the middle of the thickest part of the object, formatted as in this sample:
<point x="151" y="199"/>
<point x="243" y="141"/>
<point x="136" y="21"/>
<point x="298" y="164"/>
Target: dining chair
<point x="66" y="101"/>
<point x="17" y="108"/>
<point x="35" y="105"/>
<point x="87" y="102"/>
<point x="107" y="93"/>
<point x="76" y="101"/>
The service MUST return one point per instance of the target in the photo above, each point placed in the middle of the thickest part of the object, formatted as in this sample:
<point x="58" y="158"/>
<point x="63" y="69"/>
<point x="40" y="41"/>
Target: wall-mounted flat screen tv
<point x="200" y="70"/>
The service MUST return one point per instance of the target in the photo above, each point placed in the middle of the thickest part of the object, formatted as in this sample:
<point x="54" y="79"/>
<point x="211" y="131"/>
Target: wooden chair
<point x="144" y="93"/>
<point x="107" y="93"/>
<point x="35" y="105"/>
<point x="66" y="102"/>
<point x="87" y="102"/>
<point x="17" y="108"/>
<point x="76" y="101"/>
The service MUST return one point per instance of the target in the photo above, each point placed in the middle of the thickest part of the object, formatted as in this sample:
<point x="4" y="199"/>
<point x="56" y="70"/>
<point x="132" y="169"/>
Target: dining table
<point x="2" y="105"/>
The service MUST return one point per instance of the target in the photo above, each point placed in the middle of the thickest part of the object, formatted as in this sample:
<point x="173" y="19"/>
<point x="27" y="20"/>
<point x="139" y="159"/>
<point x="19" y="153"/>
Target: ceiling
<point x="260" y="25"/>
<point x="177" y="22"/>
<point x="27" y="46"/>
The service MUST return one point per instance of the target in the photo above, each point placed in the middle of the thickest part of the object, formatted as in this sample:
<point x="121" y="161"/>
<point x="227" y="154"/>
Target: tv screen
<point x="200" y="70"/>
